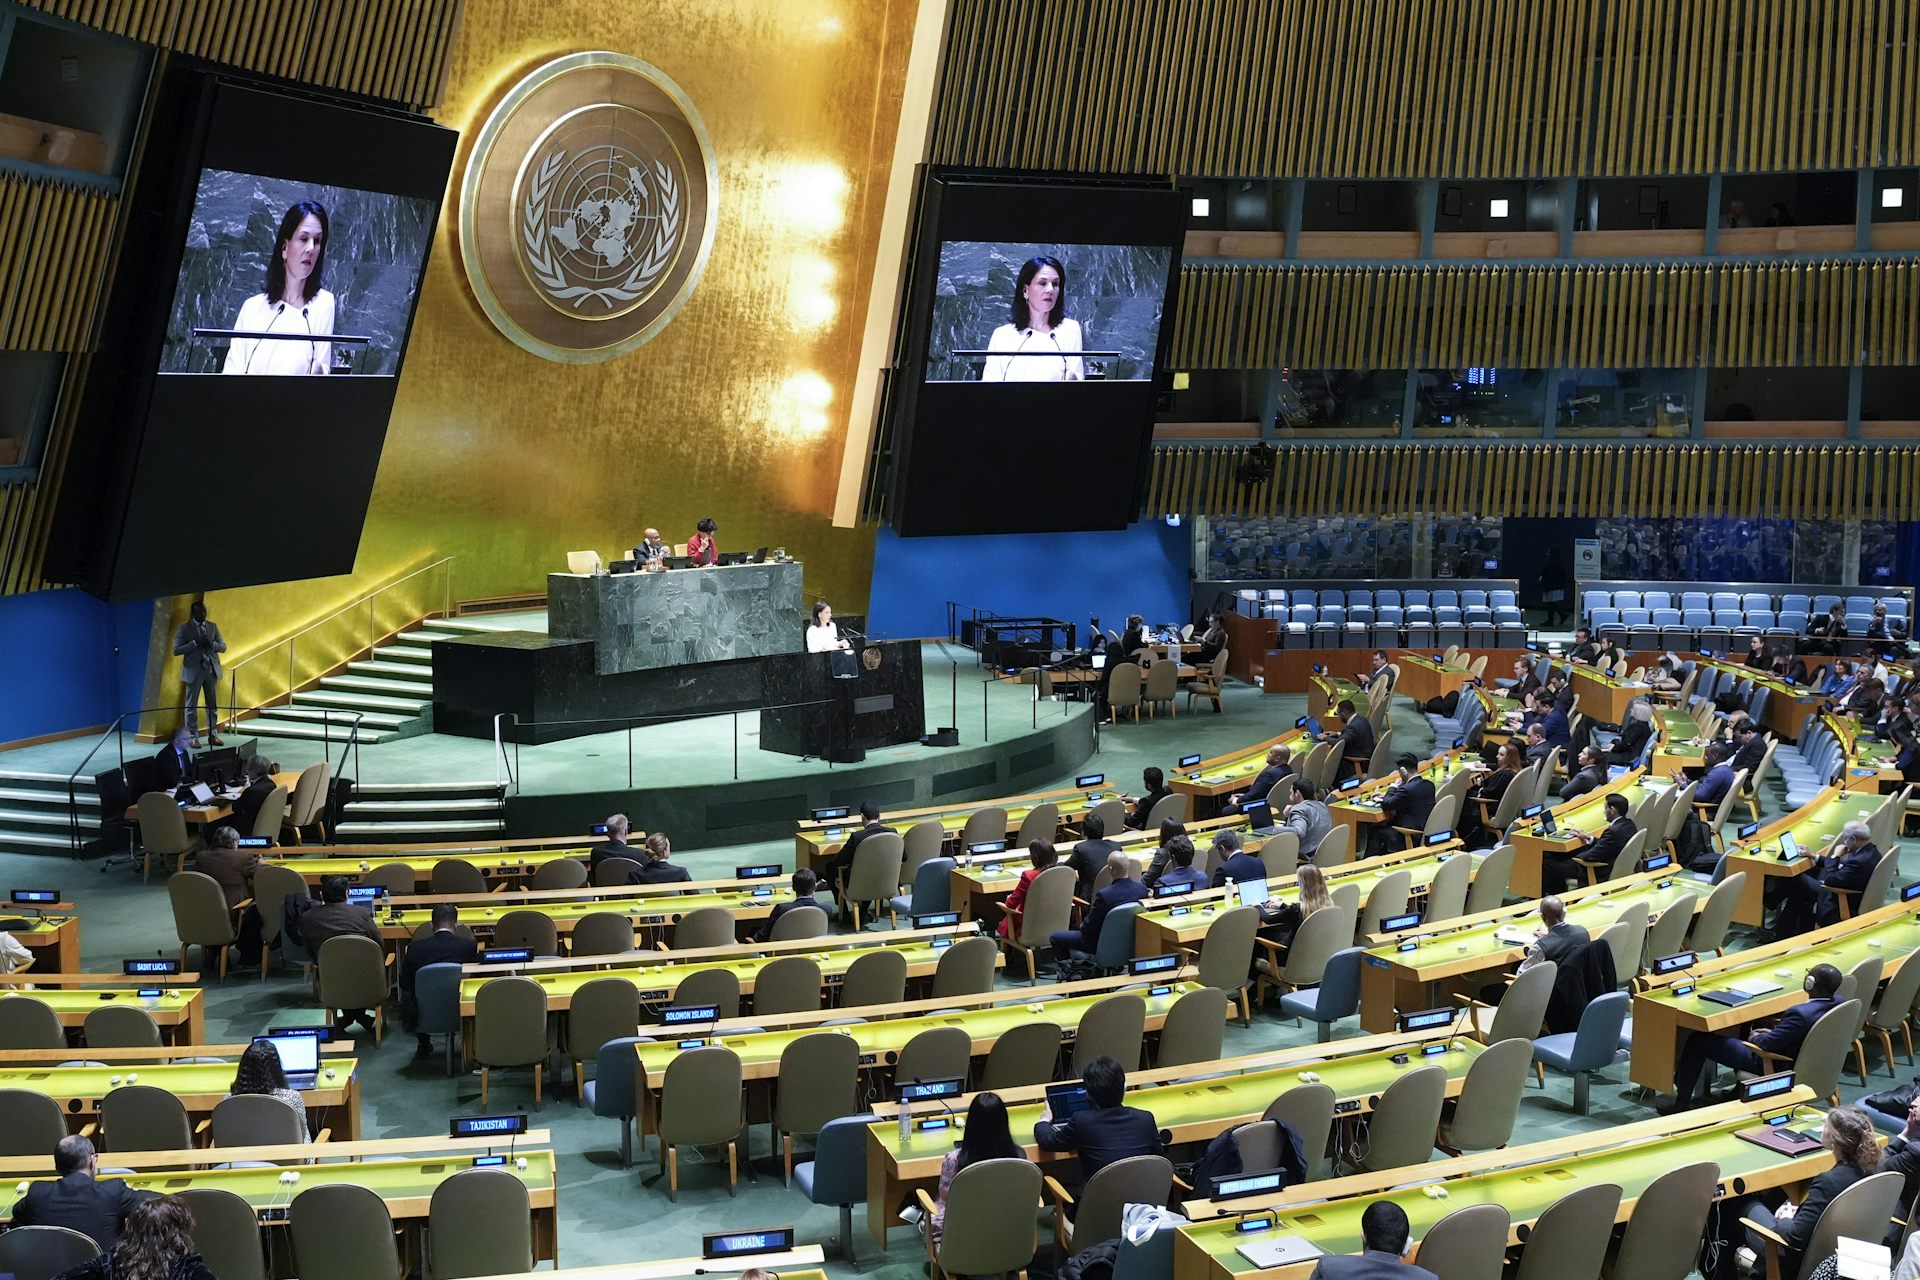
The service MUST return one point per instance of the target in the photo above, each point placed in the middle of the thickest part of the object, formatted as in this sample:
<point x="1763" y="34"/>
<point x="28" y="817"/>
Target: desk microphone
<point x="278" y="307"/>
<point x="952" y="1119"/>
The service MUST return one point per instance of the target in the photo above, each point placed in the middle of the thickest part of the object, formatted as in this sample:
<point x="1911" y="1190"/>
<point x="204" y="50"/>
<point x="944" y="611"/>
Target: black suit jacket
<point x="1356" y="739"/>
<point x="610" y="849"/>
<point x="246" y="806"/>
<point x="660" y="873"/>
<point x="779" y="909"/>
<point x="1240" y="868"/>
<point x="170" y="768"/>
<point x="1101" y="1135"/>
<point x="1117" y="894"/>
<point x="80" y="1203"/>
<point x="445" y="947"/>
<point x="1607" y="845"/>
<point x="1557" y="943"/>
<point x="1631" y="742"/>
<point x="1138" y="818"/>
<point x="1408" y="803"/>
<point x="1086" y="859"/>
<point x="1783" y="1038"/>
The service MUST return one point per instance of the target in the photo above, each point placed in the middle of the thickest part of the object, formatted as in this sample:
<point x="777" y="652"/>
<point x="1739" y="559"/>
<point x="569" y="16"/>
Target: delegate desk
<point x="1423" y="677"/>
<point x="221" y="806"/>
<point x="1181" y="922"/>
<point x="1788" y="704"/>
<point x="980" y="883"/>
<point x="1680" y="743"/>
<point x="646" y="906"/>
<point x="179" y="1009"/>
<point x="51" y="931"/>
<point x="658" y="974"/>
<point x="807" y="1258"/>
<point x="880" y="1043"/>
<point x="1195" y="1101"/>
<point x="405" y="1177"/>
<point x="817" y="842"/>
<point x="1870" y="760"/>
<point x="1325" y="693"/>
<point x="1605" y="698"/>
<point x="501" y="866"/>
<point x="332" y="1103"/>
<point x="1586" y="814"/>
<point x="642" y="621"/>
<point x="1814" y="827"/>
<point x="1661" y="1014"/>
<point x="1524" y="1180"/>
<point x="1208" y="782"/>
<point x="1406" y="972"/>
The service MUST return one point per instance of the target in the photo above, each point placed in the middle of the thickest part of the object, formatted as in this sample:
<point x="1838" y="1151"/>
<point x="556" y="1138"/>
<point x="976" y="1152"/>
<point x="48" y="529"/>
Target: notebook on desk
<point x="1788" y="1142"/>
<point x="1279" y="1251"/>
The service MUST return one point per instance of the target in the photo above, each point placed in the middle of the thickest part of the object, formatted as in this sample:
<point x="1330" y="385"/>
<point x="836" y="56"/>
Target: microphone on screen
<point x="278" y="307"/>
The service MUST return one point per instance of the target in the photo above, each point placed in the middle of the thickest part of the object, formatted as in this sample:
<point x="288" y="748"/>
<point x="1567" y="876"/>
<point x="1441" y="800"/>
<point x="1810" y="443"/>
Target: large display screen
<point x="1031" y="352"/>
<point x="276" y="242"/>
<point x="280" y="276"/>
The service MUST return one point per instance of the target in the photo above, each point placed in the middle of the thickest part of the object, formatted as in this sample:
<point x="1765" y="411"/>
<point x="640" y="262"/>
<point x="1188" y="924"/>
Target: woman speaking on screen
<point x="294" y="302"/>
<point x="1042" y="344"/>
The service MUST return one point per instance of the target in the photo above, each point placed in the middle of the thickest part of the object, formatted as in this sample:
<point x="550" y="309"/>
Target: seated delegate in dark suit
<point x="1240" y="866"/>
<point x="1556" y="937"/>
<point x="247" y="805"/>
<point x="1156" y="791"/>
<point x="1557" y="869"/>
<point x="1590" y="776"/>
<point x="1718" y="779"/>
<point x="1384" y="1231"/>
<point x="172" y="765"/>
<point x="804" y="883"/>
<point x="1848" y="864"/>
<point x="1407" y="803"/>
<point x="1106" y="1131"/>
<point x="1356" y="741"/>
<point x="1783" y="1038"/>
<point x="614" y="846"/>
<point x="1279" y="765"/>
<point x="1087" y="857"/>
<point x="445" y="945"/>
<point x="1634" y="737"/>
<point x="79" y="1199"/>
<point x="1750" y="746"/>
<point x="1553" y="725"/>
<point x="335" y="917"/>
<point x="1848" y="1136"/>
<point x="1119" y="893"/>
<point x="1825" y="632"/>
<point x="1491" y="789"/>
<point x="1584" y="649"/>
<point x="1884" y="628"/>
<point x="654" y="867"/>
<point x="1535" y="745"/>
<point x="842" y="862"/>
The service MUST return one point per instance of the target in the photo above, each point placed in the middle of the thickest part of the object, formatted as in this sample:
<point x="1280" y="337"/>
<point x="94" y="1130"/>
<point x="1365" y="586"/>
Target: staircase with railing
<point x="371" y="659"/>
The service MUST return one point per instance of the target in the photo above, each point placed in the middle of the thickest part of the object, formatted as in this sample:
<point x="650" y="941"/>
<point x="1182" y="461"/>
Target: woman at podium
<point x="294" y="302"/>
<point x="823" y="636"/>
<point x="1042" y="344"/>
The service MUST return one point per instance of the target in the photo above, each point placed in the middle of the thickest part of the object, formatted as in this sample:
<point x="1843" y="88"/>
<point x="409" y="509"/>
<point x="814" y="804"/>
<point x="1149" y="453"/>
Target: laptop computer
<point x="677" y="562"/>
<point x="299" y="1055"/>
<point x="624" y="566"/>
<point x="1067" y="1100"/>
<point x="1253" y="892"/>
<point x="1259" y="814"/>
<point x="1278" y="1251"/>
<point x="758" y="557"/>
<point x="1098" y="662"/>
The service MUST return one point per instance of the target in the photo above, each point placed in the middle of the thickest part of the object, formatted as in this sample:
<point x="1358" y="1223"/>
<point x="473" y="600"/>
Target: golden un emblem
<point x="587" y="210"/>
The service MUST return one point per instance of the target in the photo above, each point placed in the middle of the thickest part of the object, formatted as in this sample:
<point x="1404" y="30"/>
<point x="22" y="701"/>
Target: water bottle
<point x="906" y="1119"/>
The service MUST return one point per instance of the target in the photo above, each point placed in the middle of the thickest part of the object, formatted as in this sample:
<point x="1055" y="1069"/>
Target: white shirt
<point x="273" y="355"/>
<point x="12" y="953"/>
<point x="824" y="639"/>
<point x="1064" y="368"/>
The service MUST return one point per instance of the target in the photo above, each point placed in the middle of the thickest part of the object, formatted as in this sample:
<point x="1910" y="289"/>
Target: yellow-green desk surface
<point x="658" y="982"/>
<point x="1194" y="1109"/>
<point x="988" y="878"/>
<point x="1184" y="921"/>
<point x="1660" y="1014"/>
<point x="1392" y="977"/>
<point x="1586" y="814"/>
<point x="1814" y="826"/>
<point x="1361" y="806"/>
<point x="652" y="910"/>
<point x="816" y="843"/>
<point x="880" y="1042"/>
<point x="1524" y="1180"/>
<point x="1225" y="774"/>
<point x="500" y="863"/>
<point x="180" y="1011"/>
<point x="198" y="1085"/>
<point x="53" y="937"/>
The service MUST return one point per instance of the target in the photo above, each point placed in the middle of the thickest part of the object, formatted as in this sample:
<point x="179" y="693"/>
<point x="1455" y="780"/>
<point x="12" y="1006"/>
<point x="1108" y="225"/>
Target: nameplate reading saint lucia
<point x="587" y="210"/>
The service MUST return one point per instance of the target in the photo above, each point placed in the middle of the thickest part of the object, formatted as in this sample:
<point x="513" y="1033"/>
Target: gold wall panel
<point x="54" y="241"/>
<point x="1552" y="315"/>
<point x="1869" y="482"/>
<point x="391" y="49"/>
<point x="1431" y="88"/>
<point x="736" y="410"/>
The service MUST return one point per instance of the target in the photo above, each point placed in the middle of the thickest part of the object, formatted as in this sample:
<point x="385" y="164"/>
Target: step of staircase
<point x="35" y="816"/>
<point x="354" y="701"/>
<point x="482" y="787"/>
<point x="268" y="726"/>
<point x="393" y="688"/>
<point x="354" y="832"/>
<point x="379" y="684"/>
<point x="418" y="654"/>
<point x="411" y="672"/>
<point x="466" y="626"/>
<point x="317" y="716"/>
<point x="483" y="806"/>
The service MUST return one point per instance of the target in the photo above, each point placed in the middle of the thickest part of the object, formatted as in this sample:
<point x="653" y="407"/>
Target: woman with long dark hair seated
<point x="156" y="1244"/>
<point x="260" y="1071"/>
<point x="986" y="1137"/>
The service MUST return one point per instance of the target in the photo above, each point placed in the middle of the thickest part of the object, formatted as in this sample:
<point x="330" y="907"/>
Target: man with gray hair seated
<point x="79" y="1199"/>
<point x="1847" y="864"/>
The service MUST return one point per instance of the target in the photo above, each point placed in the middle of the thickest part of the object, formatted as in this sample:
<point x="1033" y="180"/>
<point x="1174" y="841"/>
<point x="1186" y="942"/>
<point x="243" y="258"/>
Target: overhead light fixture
<point x="1201" y="206"/>
<point x="1497" y="208"/>
<point x="1892" y="197"/>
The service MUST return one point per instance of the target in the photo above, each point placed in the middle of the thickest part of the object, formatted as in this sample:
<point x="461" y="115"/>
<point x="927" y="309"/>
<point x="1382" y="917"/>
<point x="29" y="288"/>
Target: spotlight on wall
<point x="1498" y="208"/>
<point x="1173" y="520"/>
<point x="1892" y="197"/>
<point x="1201" y="206"/>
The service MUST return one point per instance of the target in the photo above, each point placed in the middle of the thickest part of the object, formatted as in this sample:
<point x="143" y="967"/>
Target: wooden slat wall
<point x="1550" y="315"/>
<point x="1871" y="482"/>
<point x="53" y="248"/>
<point x="1430" y="88"/>
<point x="390" y="49"/>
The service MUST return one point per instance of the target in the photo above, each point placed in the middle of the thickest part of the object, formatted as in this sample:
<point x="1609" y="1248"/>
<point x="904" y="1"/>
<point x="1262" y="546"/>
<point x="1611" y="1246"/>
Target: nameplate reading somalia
<point x="587" y="210"/>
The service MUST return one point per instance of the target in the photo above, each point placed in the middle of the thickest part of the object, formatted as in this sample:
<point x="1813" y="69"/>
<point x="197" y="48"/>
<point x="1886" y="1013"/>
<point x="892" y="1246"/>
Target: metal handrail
<point x="511" y="763"/>
<point x="233" y="670"/>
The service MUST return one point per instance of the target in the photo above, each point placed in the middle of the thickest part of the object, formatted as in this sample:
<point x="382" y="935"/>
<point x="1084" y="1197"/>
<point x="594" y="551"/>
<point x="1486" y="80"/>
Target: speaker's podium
<point x="842" y="704"/>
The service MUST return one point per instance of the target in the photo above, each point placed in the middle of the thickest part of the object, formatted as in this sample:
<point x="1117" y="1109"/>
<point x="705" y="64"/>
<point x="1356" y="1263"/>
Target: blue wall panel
<point x="65" y="672"/>
<point x="1140" y="569"/>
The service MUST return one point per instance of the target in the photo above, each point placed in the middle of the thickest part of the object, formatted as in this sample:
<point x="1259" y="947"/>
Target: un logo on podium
<point x="587" y="210"/>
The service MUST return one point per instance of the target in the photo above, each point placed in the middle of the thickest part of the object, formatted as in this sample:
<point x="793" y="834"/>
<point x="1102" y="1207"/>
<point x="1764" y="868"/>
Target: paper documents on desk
<point x="1279" y="1251"/>
<point x="1754" y="988"/>
<point x="1518" y="935"/>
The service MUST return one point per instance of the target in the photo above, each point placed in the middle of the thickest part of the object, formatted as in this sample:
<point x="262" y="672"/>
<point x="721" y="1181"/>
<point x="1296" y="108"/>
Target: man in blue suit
<point x="1848" y="864"/>
<point x="1781" y="1039"/>
<point x="1107" y="1130"/>
<point x="1238" y="865"/>
<point x="1384" y="1230"/>
<point x="1122" y="890"/>
<point x="1407" y="803"/>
